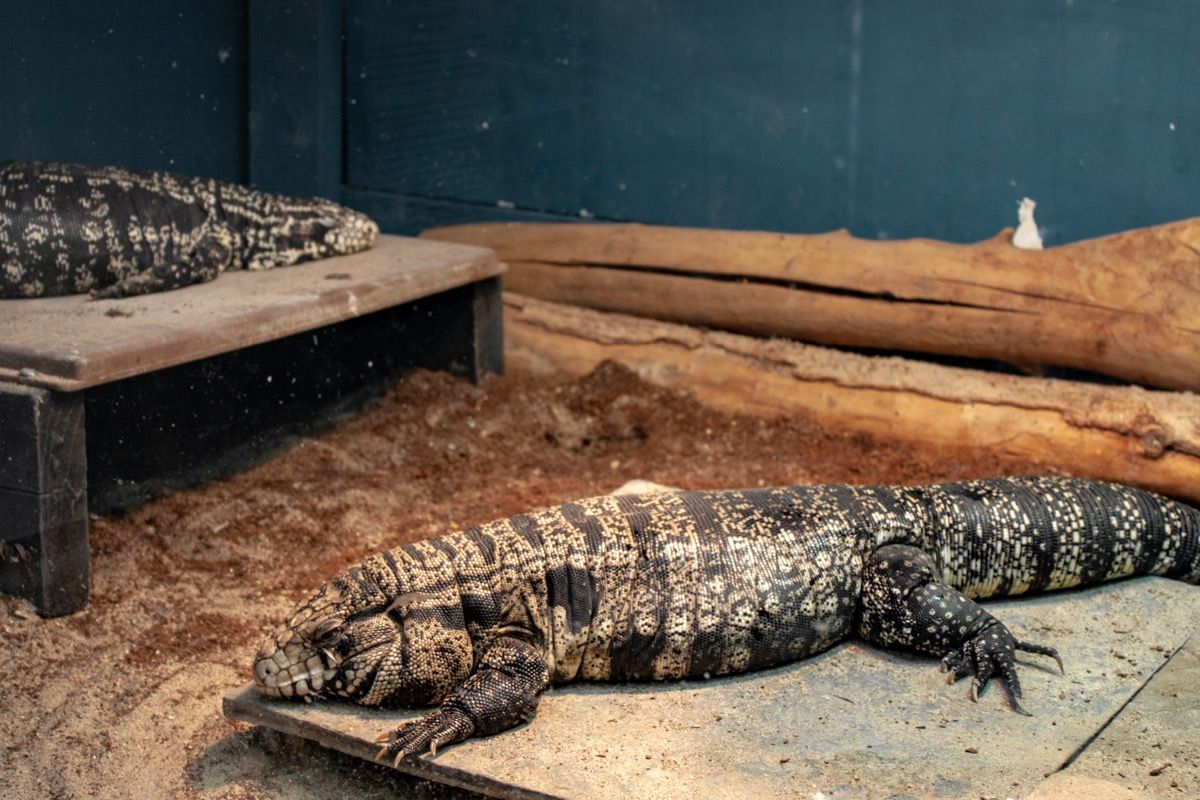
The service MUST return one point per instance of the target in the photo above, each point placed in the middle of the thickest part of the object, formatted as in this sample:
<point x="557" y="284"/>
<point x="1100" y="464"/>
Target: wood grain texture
<point x="72" y="343"/>
<point x="1144" y="438"/>
<point x="1126" y="305"/>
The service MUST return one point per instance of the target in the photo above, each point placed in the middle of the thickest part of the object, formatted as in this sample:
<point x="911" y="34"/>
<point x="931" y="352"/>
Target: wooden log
<point x="1126" y="305"/>
<point x="1128" y="434"/>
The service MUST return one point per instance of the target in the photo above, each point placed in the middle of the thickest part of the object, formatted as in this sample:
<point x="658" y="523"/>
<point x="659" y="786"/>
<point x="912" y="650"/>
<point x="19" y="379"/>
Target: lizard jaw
<point x="291" y="669"/>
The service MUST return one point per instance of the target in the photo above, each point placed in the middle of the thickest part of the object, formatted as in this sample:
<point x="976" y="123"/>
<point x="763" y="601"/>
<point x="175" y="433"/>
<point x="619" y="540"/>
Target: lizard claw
<point x="436" y="729"/>
<point x="444" y="739"/>
<point x="991" y="654"/>
<point x="957" y="665"/>
<point x="1043" y="650"/>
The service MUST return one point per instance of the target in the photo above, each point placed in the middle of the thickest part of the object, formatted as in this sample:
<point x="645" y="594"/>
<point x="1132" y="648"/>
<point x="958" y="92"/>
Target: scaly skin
<point x="700" y="584"/>
<point x="70" y="229"/>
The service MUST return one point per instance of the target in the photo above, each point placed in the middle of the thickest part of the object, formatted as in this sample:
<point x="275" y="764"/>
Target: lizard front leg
<point x="904" y="605"/>
<point x="211" y="254"/>
<point x="502" y="693"/>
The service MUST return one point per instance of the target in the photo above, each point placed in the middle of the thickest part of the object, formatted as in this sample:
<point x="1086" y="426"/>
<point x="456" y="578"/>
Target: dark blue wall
<point x="1092" y="107"/>
<point x="894" y="119"/>
<point x="133" y="82"/>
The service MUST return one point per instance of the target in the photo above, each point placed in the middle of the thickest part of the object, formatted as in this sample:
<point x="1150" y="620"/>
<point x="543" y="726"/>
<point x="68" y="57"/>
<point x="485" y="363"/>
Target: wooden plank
<point x="350" y="730"/>
<point x="798" y="117"/>
<point x="294" y="81"/>
<point x="1125" y="305"/>
<point x="1152" y="745"/>
<point x="850" y="722"/>
<point x="72" y="343"/>
<point x="241" y="407"/>
<point x="188" y="114"/>
<point x="1126" y="434"/>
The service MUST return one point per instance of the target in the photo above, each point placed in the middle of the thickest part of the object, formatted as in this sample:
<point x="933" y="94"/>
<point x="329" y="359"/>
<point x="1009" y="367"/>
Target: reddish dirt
<point x="123" y="698"/>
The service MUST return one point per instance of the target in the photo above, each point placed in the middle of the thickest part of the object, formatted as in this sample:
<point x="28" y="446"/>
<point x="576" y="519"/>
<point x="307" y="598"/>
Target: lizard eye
<point x="328" y="633"/>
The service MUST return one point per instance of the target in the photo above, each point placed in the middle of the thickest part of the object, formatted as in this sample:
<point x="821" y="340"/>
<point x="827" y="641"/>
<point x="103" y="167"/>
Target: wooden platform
<point x="72" y="343"/>
<point x="854" y="722"/>
<point x="106" y="403"/>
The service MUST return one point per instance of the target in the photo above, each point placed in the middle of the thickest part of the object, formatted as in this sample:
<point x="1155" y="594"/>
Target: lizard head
<point x="354" y="641"/>
<point x="303" y="230"/>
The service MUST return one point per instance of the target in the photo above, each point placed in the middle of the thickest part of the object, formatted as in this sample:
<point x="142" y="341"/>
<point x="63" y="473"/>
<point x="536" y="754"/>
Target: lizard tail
<point x="1014" y="535"/>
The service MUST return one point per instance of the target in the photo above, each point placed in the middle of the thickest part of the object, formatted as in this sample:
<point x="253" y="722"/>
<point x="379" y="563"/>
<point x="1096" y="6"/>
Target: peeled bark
<point x="1144" y="438"/>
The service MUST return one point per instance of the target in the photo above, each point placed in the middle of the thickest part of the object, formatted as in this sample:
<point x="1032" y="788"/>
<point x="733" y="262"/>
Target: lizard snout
<point x="290" y="669"/>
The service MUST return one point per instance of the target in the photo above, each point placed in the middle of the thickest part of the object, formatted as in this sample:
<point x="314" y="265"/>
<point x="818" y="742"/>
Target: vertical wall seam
<point x="853" y="112"/>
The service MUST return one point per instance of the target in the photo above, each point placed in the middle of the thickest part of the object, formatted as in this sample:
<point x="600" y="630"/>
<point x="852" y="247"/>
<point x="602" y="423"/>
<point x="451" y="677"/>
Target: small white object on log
<point x="1027" y="236"/>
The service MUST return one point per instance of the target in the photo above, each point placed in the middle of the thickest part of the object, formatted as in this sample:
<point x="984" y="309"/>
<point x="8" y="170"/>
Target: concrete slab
<point x="852" y="722"/>
<point x="1065" y="786"/>
<point x="1153" y="745"/>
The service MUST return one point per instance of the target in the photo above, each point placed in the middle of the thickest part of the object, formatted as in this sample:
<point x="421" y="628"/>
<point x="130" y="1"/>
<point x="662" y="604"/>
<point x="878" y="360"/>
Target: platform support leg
<point x="487" y="313"/>
<point x="43" y="499"/>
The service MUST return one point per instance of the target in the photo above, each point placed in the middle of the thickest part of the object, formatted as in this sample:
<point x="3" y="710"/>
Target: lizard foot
<point x="991" y="653"/>
<point x="139" y="283"/>
<point x="112" y="292"/>
<point x="435" y="729"/>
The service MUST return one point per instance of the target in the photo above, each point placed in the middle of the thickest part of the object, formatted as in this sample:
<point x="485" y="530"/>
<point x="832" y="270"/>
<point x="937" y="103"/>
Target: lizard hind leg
<point x="904" y="605"/>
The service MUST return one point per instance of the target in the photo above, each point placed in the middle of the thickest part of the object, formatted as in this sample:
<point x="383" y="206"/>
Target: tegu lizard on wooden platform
<point x="69" y="229"/>
<point x="701" y="584"/>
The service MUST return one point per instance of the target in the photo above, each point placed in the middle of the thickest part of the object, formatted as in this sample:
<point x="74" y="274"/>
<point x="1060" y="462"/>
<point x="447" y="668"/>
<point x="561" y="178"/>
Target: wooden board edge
<point x="477" y="264"/>
<point x="244" y="704"/>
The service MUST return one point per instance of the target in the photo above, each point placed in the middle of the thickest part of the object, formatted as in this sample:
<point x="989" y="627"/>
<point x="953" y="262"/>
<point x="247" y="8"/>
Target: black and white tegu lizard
<point x="700" y="584"/>
<point x="69" y="229"/>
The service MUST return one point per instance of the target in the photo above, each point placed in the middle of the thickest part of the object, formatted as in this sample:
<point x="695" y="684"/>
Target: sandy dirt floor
<point x="123" y="698"/>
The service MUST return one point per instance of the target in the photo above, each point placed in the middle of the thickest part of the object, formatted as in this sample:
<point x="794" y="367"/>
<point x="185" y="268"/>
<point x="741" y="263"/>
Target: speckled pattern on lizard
<point x="708" y="583"/>
<point x="71" y="229"/>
